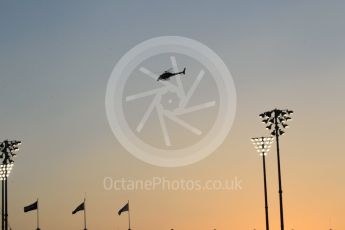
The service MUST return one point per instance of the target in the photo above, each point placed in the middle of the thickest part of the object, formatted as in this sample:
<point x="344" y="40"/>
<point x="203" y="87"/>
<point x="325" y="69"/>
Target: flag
<point x="124" y="209"/>
<point x="81" y="207"/>
<point x="31" y="207"/>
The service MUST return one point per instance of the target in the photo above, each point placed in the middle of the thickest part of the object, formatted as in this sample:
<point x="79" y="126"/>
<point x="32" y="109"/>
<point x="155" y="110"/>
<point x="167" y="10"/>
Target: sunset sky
<point x="56" y="58"/>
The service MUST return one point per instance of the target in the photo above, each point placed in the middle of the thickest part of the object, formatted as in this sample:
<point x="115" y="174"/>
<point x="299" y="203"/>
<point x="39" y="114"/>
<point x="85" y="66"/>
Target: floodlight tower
<point x="275" y="121"/>
<point x="7" y="149"/>
<point x="263" y="145"/>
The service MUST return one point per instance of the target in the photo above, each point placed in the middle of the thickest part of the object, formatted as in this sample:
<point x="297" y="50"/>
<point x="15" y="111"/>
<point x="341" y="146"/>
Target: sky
<point x="56" y="58"/>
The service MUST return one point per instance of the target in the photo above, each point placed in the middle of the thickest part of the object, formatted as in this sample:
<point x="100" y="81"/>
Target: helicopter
<point x="167" y="75"/>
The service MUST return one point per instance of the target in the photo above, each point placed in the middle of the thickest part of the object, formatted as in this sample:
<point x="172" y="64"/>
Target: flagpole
<point x="129" y="217"/>
<point x="84" y="214"/>
<point x="38" y="216"/>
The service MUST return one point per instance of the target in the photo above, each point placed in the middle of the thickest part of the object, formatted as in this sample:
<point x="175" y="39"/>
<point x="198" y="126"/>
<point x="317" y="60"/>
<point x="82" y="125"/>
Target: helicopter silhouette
<point x="167" y="75"/>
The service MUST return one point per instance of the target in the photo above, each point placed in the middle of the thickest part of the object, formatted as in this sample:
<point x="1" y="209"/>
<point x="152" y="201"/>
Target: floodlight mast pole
<point x="7" y="152"/>
<point x="279" y="170"/>
<point x="6" y="199"/>
<point x="276" y="121"/>
<point x="265" y="190"/>
<point x="2" y="204"/>
<point x="262" y="145"/>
